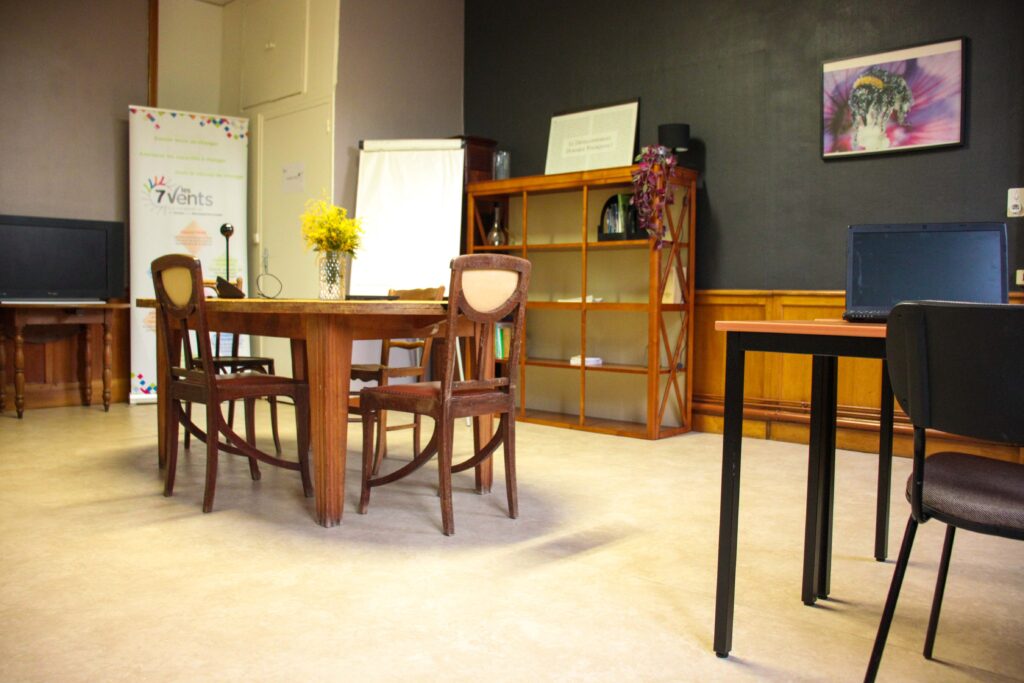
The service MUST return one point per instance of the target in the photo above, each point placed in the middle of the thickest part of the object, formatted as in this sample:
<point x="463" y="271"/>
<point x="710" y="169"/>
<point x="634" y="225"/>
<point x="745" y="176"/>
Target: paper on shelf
<point x="591" y="360"/>
<point x="591" y="299"/>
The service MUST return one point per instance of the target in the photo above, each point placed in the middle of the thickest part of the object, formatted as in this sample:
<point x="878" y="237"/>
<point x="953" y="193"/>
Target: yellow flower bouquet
<point x="328" y="230"/>
<point x="327" y="227"/>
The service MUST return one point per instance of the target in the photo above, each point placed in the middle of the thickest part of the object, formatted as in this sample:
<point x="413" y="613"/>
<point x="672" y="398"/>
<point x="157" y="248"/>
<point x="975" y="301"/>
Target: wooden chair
<point x="485" y="288"/>
<point x="231" y="363"/>
<point x="177" y="280"/>
<point x="956" y="368"/>
<point x="384" y="371"/>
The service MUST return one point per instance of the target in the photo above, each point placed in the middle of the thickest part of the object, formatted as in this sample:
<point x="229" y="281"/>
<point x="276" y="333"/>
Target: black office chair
<point x="957" y="368"/>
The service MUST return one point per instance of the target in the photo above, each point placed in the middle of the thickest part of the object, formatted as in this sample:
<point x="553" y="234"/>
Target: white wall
<point x="189" y="56"/>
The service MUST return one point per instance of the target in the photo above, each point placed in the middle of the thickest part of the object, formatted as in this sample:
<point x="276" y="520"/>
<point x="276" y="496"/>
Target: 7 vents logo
<point x="164" y="195"/>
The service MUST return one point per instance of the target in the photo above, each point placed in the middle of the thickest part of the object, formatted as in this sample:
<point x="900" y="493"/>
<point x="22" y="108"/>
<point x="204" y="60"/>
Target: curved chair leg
<point x="188" y="434"/>
<point x="273" y="410"/>
<point x="302" y="440"/>
<point x="444" y="474"/>
<point x="250" y="435"/>
<point x="213" y="425"/>
<point x="273" y="424"/>
<point x="380" y="450"/>
<point x="890" y="601"/>
<point x="509" y="426"/>
<point x="940" y="589"/>
<point x="171" y="436"/>
<point x="415" y="435"/>
<point x="370" y="462"/>
<point x="382" y="436"/>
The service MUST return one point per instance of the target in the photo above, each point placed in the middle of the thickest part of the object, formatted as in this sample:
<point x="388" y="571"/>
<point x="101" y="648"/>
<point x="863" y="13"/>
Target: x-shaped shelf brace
<point x="674" y="264"/>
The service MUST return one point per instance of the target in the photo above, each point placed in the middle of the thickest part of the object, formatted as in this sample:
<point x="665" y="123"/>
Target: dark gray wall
<point x="68" y="71"/>
<point x="746" y="76"/>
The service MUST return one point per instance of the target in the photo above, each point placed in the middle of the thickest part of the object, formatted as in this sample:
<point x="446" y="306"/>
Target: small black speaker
<point x="675" y="136"/>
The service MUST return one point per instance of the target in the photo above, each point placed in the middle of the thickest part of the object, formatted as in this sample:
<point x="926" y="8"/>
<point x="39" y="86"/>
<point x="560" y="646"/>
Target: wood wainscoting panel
<point x="777" y="387"/>
<point x="709" y="355"/>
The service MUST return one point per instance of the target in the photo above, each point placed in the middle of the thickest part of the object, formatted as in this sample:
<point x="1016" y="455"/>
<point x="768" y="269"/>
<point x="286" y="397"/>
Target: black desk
<point x="826" y="341"/>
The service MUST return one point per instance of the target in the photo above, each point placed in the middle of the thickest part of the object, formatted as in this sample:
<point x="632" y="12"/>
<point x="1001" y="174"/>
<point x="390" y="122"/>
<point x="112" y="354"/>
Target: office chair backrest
<point x="959" y="367"/>
<point x="178" y="283"/>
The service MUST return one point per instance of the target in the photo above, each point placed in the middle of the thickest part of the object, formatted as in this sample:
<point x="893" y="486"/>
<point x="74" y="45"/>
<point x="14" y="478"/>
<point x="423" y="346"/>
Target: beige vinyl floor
<point x="607" y="575"/>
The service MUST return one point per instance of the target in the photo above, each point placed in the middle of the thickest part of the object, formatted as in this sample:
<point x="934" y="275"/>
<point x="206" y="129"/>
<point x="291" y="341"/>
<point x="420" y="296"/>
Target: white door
<point x="294" y="163"/>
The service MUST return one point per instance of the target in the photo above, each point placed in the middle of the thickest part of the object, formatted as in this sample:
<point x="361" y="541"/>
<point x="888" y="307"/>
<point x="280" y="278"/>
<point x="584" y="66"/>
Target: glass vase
<point x="333" y="275"/>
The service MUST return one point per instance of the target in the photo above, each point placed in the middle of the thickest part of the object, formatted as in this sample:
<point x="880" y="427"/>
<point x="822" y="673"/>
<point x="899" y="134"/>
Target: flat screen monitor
<point x="890" y="263"/>
<point x="58" y="259"/>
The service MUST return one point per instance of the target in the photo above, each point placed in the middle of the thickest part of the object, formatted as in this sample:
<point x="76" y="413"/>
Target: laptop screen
<point x="887" y="264"/>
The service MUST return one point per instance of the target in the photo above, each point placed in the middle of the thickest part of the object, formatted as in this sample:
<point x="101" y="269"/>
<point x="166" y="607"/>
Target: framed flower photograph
<point x="894" y="101"/>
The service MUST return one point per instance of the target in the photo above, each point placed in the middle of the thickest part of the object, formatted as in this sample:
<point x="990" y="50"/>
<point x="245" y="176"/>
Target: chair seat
<point x="370" y="372"/>
<point x="251" y="378"/>
<point x="368" y="367"/>
<point x="424" y="389"/>
<point x="425" y="398"/>
<point x="974" y="492"/>
<point x="240" y="384"/>
<point x="242" y="361"/>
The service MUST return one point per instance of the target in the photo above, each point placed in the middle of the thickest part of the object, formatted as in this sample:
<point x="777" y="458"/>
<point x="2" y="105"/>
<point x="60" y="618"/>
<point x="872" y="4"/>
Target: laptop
<point x="890" y="263"/>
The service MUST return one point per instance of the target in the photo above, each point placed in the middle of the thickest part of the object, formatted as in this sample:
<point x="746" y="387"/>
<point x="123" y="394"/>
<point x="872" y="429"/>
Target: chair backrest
<point x="178" y="283"/>
<point x="959" y="367"/>
<point x="423" y="345"/>
<point x="486" y="289"/>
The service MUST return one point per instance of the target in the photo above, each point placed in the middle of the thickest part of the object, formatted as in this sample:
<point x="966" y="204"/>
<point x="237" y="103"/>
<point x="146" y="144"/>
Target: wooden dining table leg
<point x="108" y="356"/>
<point x="3" y="369"/>
<point x="87" y="365"/>
<point x="19" y="369"/>
<point x="329" y="361"/>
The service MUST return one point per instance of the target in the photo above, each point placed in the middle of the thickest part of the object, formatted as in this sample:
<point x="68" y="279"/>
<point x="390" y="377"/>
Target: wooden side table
<point x="14" y="318"/>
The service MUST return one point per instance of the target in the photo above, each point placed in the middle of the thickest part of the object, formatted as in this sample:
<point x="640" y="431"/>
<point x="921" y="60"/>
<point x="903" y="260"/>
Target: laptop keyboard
<point x="876" y="315"/>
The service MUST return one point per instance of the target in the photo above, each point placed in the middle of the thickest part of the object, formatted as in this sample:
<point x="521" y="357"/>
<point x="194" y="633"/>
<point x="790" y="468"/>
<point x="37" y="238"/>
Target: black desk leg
<point x="732" y="439"/>
<point x="820" y="467"/>
<point x="884" y="467"/>
<point x="828" y="475"/>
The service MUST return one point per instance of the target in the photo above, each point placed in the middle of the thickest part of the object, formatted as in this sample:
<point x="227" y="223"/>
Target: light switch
<point x="1015" y="202"/>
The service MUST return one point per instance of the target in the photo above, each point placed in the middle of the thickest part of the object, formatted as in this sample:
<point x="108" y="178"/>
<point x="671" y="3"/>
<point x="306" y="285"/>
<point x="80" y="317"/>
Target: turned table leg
<point x="108" y="340"/>
<point x="3" y="372"/>
<point x="87" y="366"/>
<point x="19" y="370"/>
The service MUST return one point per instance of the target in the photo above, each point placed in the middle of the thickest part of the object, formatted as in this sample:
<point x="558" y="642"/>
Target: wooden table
<point x="826" y="340"/>
<point x="321" y="334"/>
<point x="15" y="317"/>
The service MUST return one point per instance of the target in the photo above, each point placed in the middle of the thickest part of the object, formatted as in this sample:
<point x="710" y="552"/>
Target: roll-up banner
<point x="188" y="177"/>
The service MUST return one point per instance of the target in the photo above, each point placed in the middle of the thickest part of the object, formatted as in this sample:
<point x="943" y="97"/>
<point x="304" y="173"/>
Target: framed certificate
<point x="585" y="140"/>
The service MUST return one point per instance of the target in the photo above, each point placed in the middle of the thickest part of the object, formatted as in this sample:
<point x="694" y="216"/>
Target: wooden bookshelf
<point x="641" y="299"/>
